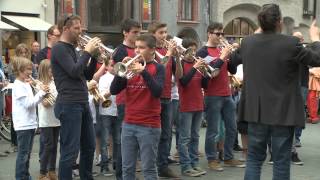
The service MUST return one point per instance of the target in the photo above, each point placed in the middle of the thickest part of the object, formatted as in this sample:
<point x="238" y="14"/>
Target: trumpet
<point x="123" y="69"/>
<point x="98" y="97"/>
<point x="49" y="97"/>
<point x="206" y="69"/>
<point x="106" y="52"/>
<point x="224" y="42"/>
<point x="235" y="82"/>
<point x="180" y="49"/>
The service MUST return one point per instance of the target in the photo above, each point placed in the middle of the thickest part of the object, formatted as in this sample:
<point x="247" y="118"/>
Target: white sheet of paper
<point x="208" y="59"/>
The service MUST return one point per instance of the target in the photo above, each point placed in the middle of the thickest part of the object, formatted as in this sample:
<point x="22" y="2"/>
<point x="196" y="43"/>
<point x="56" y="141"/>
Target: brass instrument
<point x="106" y="52"/>
<point x="49" y="97"/>
<point x="235" y="82"/>
<point x="224" y="42"/>
<point x="123" y="69"/>
<point x="180" y="49"/>
<point x="105" y="102"/>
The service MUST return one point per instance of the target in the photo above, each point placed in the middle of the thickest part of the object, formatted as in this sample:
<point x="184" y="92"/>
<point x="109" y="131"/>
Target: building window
<point x="188" y="10"/>
<point x="106" y="16"/>
<point x="239" y="28"/>
<point x="68" y="7"/>
<point x="150" y="11"/>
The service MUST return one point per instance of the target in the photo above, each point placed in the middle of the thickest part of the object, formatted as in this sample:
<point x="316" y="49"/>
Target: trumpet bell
<point x="188" y="52"/>
<point x="106" y="103"/>
<point x="120" y="69"/>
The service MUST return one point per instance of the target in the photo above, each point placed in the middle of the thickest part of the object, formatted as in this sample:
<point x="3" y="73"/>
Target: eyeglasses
<point x="217" y="33"/>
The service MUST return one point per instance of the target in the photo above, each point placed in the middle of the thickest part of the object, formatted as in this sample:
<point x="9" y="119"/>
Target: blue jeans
<point x="174" y="118"/>
<point x="190" y="123"/>
<point x="136" y="138"/>
<point x="166" y="127"/>
<point x="76" y="133"/>
<point x="121" y="111"/>
<point x="25" y="143"/>
<point x="258" y="136"/>
<point x="220" y="108"/>
<point x="109" y="125"/>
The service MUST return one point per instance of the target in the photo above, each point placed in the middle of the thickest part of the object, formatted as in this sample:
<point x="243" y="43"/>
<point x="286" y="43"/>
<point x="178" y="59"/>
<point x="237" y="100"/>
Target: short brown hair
<point x="67" y="21"/>
<point x="155" y="25"/>
<point x="19" y="64"/>
<point x="149" y="39"/>
<point x="51" y="30"/>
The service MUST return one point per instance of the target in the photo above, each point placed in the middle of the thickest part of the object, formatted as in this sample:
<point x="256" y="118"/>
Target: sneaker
<point x="12" y="149"/>
<point x="3" y="154"/>
<point x="237" y="148"/>
<point x="75" y="174"/>
<point x="167" y="173"/>
<point x="234" y="163"/>
<point x="298" y="144"/>
<point x="172" y="161"/>
<point x="215" y="165"/>
<point x="95" y="174"/>
<point x="191" y="173"/>
<point x="295" y="159"/>
<point x="106" y="172"/>
<point x="270" y="161"/>
<point x="98" y="160"/>
<point x="201" y="171"/>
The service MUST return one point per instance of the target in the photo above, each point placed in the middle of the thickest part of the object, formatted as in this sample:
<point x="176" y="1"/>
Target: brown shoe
<point x="234" y="163"/>
<point x="215" y="165"/>
<point x="43" y="177"/>
<point x="52" y="175"/>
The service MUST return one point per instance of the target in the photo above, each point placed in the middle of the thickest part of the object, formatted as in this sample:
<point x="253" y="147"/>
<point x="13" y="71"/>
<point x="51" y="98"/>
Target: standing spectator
<point x="53" y="36"/>
<point x="35" y="48"/>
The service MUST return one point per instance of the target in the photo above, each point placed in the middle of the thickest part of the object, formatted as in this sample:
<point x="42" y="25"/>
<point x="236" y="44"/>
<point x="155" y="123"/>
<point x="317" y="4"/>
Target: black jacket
<point x="271" y="91"/>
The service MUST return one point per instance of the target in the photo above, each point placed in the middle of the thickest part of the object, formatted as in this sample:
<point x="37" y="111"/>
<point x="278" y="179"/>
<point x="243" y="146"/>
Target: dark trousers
<point x="49" y="136"/>
<point x="13" y="135"/>
<point x="121" y="110"/>
<point x="76" y="133"/>
<point x="25" y="143"/>
<point x="166" y="126"/>
<point x="258" y="136"/>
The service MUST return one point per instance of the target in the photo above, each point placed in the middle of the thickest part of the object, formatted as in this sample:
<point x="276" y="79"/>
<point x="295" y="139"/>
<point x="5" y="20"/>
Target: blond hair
<point x="19" y="64"/>
<point x="43" y="71"/>
<point x="20" y="47"/>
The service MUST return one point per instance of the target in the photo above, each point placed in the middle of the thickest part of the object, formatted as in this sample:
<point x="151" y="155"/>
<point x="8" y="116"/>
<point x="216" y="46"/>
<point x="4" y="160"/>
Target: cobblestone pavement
<point x="309" y="153"/>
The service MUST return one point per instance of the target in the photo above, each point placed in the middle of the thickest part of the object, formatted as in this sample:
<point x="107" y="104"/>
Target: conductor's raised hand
<point x="314" y="32"/>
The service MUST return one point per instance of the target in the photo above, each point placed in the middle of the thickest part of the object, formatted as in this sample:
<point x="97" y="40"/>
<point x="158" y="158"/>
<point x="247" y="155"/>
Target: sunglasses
<point x="217" y="33"/>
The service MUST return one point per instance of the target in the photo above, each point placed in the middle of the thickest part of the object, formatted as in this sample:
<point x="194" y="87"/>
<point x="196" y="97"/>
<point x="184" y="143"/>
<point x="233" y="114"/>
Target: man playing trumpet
<point x="219" y="105"/>
<point x="72" y="109"/>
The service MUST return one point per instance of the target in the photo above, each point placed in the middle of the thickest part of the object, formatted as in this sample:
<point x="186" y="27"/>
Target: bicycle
<point x="6" y="122"/>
